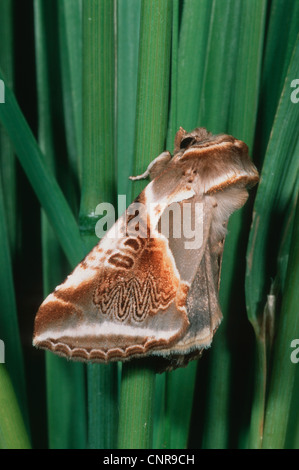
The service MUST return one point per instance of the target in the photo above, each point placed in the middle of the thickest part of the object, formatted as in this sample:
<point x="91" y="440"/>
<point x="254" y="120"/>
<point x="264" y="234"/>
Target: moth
<point x="147" y="289"/>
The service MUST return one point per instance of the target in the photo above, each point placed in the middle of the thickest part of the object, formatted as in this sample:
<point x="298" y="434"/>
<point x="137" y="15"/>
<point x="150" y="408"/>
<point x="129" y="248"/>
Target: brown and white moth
<point x="143" y="291"/>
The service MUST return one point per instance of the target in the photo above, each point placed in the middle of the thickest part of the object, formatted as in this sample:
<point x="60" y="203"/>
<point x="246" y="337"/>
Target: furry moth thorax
<point x="150" y="292"/>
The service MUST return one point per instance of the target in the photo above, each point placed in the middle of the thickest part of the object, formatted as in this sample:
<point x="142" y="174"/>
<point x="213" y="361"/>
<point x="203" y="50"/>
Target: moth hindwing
<point x="150" y="286"/>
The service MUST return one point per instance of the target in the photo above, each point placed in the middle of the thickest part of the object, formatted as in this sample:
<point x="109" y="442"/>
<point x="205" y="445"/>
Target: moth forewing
<point x="195" y="267"/>
<point x="150" y="286"/>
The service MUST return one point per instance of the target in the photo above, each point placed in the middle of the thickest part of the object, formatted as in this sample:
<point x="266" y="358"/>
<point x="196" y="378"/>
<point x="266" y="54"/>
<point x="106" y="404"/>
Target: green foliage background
<point x="94" y="90"/>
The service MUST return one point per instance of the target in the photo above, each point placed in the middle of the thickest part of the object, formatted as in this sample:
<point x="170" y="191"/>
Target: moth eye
<point x="186" y="142"/>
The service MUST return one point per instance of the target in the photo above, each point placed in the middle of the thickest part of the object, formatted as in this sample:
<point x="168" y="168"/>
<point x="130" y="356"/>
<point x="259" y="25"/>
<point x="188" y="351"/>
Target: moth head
<point x="220" y="161"/>
<point x="184" y="139"/>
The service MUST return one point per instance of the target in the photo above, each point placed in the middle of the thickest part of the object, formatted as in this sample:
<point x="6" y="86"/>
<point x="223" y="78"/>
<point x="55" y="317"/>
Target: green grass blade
<point x="173" y="116"/>
<point x="246" y="78"/>
<point x="280" y="39"/>
<point x="247" y="20"/>
<point x="42" y="181"/>
<point x="292" y="435"/>
<point x="135" y="429"/>
<point x="102" y="405"/>
<point x="128" y="22"/>
<point x="13" y="434"/>
<point x="136" y="406"/>
<point x="70" y="32"/>
<point x="275" y="195"/>
<point x="7" y="158"/>
<point x="220" y="57"/>
<point x="98" y="185"/>
<point x="9" y="329"/>
<point x="66" y="400"/>
<point x="276" y="188"/>
<point x="283" y="371"/>
<point x="154" y="53"/>
<point x="191" y="60"/>
<point x="180" y="386"/>
<point x="65" y="380"/>
<point x="7" y="39"/>
<point x="98" y="172"/>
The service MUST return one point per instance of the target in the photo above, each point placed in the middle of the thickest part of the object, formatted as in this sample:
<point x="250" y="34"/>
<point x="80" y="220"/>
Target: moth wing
<point x="201" y="267"/>
<point x="123" y="300"/>
<point x="203" y="310"/>
<point x="198" y="262"/>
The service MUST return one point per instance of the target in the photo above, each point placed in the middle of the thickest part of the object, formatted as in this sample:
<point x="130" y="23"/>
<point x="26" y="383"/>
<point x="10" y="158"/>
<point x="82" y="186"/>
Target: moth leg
<point x="155" y="167"/>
